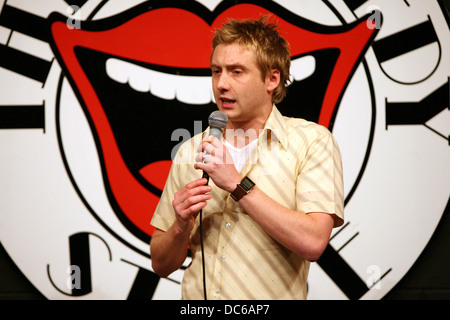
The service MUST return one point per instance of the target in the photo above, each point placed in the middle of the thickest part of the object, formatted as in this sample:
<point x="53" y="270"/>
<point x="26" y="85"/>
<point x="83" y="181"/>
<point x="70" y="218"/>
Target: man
<point x="258" y="236"/>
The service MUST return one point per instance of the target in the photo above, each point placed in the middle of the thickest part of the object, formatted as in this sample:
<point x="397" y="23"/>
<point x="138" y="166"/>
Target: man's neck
<point x="240" y="134"/>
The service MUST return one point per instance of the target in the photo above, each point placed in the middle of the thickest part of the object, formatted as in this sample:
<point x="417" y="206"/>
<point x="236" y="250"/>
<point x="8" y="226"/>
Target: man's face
<point x="239" y="88"/>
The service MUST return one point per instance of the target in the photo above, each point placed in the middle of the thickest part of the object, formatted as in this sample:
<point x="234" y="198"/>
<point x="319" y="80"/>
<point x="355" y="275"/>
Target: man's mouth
<point x="136" y="93"/>
<point x="227" y="102"/>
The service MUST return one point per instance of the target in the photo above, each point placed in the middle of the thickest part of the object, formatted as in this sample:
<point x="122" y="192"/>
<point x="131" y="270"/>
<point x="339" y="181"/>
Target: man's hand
<point x="188" y="202"/>
<point x="214" y="158"/>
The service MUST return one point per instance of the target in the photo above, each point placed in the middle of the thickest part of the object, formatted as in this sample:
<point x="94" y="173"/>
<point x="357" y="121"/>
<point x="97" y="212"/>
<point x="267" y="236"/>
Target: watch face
<point x="96" y="98"/>
<point x="247" y="184"/>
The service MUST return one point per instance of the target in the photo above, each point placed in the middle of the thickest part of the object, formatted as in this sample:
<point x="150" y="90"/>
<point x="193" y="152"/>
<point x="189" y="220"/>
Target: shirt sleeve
<point x="164" y="215"/>
<point x="183" y="162"/>
<point x="320" y="181"/>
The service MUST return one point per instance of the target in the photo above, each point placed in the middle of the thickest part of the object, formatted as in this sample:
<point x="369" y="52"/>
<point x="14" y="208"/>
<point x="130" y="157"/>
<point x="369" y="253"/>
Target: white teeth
<point x="302" y="68"/>
<point x="187" y="89"/>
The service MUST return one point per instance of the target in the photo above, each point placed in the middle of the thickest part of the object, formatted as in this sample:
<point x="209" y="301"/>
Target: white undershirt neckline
<point x="240" y="155"/>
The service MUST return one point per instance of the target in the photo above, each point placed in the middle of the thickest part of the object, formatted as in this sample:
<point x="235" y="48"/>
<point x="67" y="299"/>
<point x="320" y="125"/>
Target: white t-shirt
<point x="240" y="156"/>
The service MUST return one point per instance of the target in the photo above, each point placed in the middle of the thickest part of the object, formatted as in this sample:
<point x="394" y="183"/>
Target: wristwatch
<point x="243" y="187"/>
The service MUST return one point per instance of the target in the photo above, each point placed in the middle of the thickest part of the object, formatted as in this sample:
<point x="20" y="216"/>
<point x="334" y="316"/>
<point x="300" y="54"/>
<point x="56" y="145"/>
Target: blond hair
<point x="271" y="49"/>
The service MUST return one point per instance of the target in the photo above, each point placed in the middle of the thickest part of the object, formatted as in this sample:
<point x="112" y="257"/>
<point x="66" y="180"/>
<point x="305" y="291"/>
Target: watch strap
<point x="242" y="188"/>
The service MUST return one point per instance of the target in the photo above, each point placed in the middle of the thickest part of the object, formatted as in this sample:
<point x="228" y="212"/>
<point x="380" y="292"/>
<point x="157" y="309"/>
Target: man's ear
<point x="272" y="80"/>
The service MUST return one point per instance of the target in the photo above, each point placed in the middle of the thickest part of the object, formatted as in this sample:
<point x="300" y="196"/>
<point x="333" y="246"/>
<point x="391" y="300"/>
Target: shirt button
<point x="228" y="225"/>
<point x="222" y="258"/>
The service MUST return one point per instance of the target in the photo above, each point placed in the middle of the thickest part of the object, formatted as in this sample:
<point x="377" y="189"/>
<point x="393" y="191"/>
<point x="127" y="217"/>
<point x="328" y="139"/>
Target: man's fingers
<point x="184" y="196"/>
<point x="192" y="197"/>
<point x="194" y="208"/>
<point x="196" y="183"/>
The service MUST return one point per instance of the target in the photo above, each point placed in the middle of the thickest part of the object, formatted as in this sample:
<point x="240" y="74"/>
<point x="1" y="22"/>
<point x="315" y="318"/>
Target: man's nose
<point x="223" y="83"/>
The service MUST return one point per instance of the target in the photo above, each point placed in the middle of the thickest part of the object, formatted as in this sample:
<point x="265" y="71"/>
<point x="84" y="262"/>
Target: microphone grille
<point x="218" y="119"/>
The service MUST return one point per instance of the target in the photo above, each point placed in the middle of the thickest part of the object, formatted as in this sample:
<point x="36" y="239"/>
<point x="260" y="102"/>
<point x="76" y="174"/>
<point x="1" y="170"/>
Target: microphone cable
<point x="205" y="175"/>
<point x="217" y="121"/>
<point x="203" y="255"/>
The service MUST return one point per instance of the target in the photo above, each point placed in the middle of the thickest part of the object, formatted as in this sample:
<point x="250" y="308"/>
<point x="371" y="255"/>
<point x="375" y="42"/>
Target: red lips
<point x="175" y="37"/>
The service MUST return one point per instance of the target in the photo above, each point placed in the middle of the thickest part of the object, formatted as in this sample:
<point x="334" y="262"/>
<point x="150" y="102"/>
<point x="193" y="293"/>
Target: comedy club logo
<point x="96" y="96"/>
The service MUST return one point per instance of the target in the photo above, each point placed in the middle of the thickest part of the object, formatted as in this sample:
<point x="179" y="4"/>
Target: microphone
<point x="217" y="122"/>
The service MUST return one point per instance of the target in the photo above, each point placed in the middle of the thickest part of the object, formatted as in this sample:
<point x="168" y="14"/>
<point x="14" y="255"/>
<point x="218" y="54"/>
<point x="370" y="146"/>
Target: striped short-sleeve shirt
<point x="298" y="164"/>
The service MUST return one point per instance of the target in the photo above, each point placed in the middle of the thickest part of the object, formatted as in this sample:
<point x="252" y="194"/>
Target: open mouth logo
<point x="121" y="87"/>
<point x="137" y="91"/>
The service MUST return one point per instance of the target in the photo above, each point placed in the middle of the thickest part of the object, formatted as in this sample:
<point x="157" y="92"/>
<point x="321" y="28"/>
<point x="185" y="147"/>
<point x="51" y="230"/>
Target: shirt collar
<point x="277" y="125"/>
